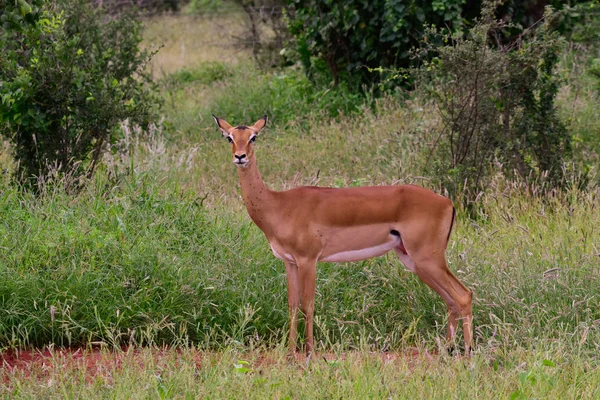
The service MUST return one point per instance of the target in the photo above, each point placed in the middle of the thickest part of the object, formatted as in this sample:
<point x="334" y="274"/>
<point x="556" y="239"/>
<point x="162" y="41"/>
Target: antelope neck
<point x="257" y="196"/>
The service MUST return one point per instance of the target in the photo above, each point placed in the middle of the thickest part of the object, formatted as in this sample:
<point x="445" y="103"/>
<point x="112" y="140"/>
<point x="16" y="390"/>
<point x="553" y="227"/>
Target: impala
<point x="307" y="225"/>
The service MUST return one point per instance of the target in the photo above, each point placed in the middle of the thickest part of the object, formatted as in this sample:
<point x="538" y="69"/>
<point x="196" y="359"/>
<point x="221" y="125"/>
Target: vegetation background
<point x="155" y="248"/>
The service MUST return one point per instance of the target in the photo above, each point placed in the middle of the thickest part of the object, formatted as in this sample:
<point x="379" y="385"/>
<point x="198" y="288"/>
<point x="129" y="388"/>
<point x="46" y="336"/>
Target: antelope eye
<point x="229" y="139"/>
<point x="253" y="138"/>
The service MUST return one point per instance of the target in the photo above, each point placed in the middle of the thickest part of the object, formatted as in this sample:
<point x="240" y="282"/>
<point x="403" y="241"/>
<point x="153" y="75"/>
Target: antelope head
<point x="242" y="139"/>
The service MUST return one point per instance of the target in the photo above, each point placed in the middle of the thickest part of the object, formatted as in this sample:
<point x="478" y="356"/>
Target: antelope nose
<point x="240" y="156"/>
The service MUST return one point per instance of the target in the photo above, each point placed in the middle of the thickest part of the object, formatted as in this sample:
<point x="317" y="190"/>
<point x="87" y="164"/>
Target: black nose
<point x="240" y="156"/>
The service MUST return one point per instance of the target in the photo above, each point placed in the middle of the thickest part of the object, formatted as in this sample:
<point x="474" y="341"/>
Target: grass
<point x="189" y="41"/>
<point x="158" y="250"/>
<point x="145" y="262"/>
<point x="189" y="373"/>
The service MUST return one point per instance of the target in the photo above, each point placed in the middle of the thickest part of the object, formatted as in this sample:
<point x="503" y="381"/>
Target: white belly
<point x="287" y="257"/>
<point x="362" y="254"/>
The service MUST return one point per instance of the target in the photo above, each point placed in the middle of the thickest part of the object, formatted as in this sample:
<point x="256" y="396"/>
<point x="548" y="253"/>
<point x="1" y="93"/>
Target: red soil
<point x="43" y="362"/>
<point x="98" y="362"/>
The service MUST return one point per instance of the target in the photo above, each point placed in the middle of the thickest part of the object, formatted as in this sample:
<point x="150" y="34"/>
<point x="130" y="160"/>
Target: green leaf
<point x="24" y="7"/>
<point x="517" y="394"/>
<point x="549" y="363"/>
<point x="239" y="367"/>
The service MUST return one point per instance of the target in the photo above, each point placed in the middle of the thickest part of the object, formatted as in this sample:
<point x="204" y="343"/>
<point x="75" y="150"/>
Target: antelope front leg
<point x="307" y="272"/>
<point x="293" y="303"/>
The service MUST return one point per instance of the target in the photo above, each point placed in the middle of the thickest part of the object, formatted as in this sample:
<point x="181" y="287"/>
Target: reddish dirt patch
<point x="44" y="361"/>
<point x="92" y="362"/>
<point x="105" y="363"/>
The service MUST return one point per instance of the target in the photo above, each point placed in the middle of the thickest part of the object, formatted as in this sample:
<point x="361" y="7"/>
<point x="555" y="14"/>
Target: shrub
<point x="346" y="40"/>
<point x="68" y="78"/>
<point x="582" y="22"/>
<point x="340" y="38"/>
<point x="15" y="15"/>
<point x="496" y="102"/>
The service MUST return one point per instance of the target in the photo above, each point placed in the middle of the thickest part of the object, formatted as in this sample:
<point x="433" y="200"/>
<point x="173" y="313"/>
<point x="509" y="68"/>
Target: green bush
<point x="496" y="102"/>
<point x="67" y="79"/>
<point x="343" y="39"/>
<point x="16" y="15"/>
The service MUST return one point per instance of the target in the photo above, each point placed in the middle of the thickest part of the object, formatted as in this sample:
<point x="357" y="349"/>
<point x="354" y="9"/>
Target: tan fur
<point x="310" y="224"/>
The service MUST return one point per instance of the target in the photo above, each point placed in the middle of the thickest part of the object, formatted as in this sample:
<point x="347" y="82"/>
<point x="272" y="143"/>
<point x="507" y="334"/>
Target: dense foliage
<point x="15" y="15"/>
<point x="69" y="74"/>
<point x="343" y="39"/>
<point x="496" y="101"/>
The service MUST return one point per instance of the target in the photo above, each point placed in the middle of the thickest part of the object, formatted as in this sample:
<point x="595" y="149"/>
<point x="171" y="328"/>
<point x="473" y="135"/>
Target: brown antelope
<point x="306" y="225"/>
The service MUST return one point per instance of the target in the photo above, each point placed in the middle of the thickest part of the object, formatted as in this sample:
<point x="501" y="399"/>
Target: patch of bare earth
<point x="105" y="363"/>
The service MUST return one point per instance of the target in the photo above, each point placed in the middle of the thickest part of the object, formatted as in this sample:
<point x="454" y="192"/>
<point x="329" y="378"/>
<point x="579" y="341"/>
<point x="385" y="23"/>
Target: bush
<point x="496" y="102"/>
<point x="14" y="15"/>
<point x="346" y="40"/>
<point x="340" y="38"/>
<point x="68" y="78"/>
<point x="582" y="23"/>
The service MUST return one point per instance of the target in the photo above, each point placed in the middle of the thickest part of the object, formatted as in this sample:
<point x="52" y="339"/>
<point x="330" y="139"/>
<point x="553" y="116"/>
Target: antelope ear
<point x="260" y="124"/>
<point x="223" y="125"/>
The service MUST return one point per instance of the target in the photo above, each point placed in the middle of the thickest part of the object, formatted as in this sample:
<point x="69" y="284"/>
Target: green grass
<point x="287" y="96"/>
<point x="579" y="98"/>
<point x="153" y="373"/>
<point x="145" y="262"/>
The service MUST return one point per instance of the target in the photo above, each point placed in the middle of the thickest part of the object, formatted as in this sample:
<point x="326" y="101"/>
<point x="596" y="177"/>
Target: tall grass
<point x="144" y="261"/>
